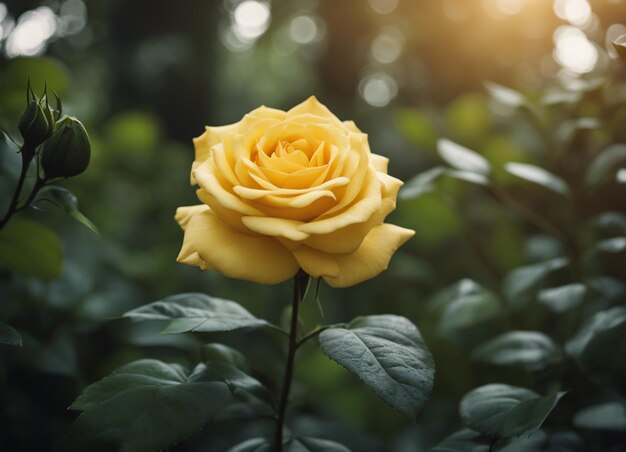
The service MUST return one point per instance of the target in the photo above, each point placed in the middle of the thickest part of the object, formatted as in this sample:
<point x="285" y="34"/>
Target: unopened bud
<point x="620" y="47"/>
<point x="35" y="124"/>
<point x="66" y="153"/>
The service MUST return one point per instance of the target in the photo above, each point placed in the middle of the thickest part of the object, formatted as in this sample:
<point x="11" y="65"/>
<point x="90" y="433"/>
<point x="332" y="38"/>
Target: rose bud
<point x="67" y="151"/>
<point x="35" y="124"/>
<point x="620" y="47"/>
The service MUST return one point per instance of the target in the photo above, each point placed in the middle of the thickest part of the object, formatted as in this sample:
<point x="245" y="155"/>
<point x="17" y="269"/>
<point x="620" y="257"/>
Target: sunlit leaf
<point x="563" y="298"/>
<point x="604" y="162"/>
<point x="148" y="405"/>
<point x="462" y="158"/>
<point x="388" y="354"/>
<point x="198" y="313"/>
<point x="606" y="416"/>
<point x="422" y="183"/>
<point x="504" y="411"/>
<point x="621" y="176"/>
<point x="9" y="335"/>
<point x="538" y="176"/>
<point x="30" y="248"/>
<point x="505" y="96"/>
<point x="613" y="245"/>
<point x="531" y="350"/>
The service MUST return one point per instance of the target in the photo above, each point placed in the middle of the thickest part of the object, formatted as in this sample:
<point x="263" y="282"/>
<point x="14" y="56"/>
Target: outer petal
<point x="369" y="260"/>
<point x="313" y="106"/>
<point x="184" y="214"/>
<point x="379" y="162"/>
<point x="204" y="143"/>
<point x="211" y="244"/>
<point x="349" y="238"/>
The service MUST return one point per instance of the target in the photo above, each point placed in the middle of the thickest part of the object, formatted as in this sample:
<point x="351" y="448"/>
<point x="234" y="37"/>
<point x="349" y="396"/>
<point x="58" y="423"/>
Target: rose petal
<point x="207" y="180"/>
<point x="313" y="107"/>
<point x="211" y="244"/>
<point x="349" y="238"/>
<point x="277" y="227"/>
<point x="370" y="259"/>
<point x="379" y="162"/>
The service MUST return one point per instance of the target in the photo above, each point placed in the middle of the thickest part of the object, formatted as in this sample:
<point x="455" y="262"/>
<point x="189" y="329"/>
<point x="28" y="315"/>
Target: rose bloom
<point x="282" y="191"/>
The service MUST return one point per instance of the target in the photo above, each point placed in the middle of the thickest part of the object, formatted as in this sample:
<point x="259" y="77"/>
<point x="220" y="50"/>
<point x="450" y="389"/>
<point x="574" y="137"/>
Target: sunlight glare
<point x="576" y="12"/>
<point x="30" y="35"/>
<point x="251" y="19"/>
<point x="574" y="51"/>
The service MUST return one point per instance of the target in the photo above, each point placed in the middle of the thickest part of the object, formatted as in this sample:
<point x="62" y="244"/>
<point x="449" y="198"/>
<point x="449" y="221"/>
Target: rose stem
<point x="299" y="286"/>
<point x="26" y="159"/>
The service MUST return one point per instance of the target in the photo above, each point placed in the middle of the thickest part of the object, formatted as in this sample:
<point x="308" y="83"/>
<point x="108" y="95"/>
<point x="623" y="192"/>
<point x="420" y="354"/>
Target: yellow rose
<point x="282" y="191"/>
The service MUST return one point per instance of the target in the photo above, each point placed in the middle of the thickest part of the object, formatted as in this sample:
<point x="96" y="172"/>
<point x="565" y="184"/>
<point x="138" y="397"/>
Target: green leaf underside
<point x="388" y="354"/>
<point x="606" y="416"/>
<point x="9" y="335"/>
<point x="529" y="349"/>
<point x="593" y="329"/>
<point x="148" y="405"/>
<point x="563" y="298"/>
<point x="198" y="313"/>
<point x="30" y="248"/>
<point x="301" y="444"/>
<point x="539" y="176"/>
<point x="504" y="411"/>
<point x="606" y="161"/>
<point x="524" y="279"/>
<point x="462" y="158"/>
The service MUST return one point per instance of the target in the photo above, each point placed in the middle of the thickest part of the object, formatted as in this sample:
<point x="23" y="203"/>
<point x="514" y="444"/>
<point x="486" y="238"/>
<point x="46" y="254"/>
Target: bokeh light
<point x="387" y="46"/>
<point x="576" y="12"/>
<point x="383" y="6"/>
<point x="574" y="51"/>
<point x="251" y="19"/>
<point x="30" y="35"/>
<point x="303" y="29"/>
<point x="378" y="89"/>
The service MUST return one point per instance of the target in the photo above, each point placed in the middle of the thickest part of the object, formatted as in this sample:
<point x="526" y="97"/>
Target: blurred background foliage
<point x="146" y="76"/>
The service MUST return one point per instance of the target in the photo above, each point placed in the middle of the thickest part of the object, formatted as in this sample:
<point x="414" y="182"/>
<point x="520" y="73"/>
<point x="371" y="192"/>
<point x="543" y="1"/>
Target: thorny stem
<point x="299" y="286"/>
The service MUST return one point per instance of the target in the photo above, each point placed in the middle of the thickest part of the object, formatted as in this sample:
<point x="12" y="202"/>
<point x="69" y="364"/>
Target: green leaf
<point x="198" y="313"/>
<point x="9" y="335"/>
<point x="538" y="176"/>
<point x="612" y="245"/>
<point x="600" y="347"/>
<point x="469" y="305"/>
<point x="421" y="184"/>
<point x="148" y="405"/>
<point x="467" y="176"/>
<point x="563" y="298"/>
<point x="30" y="248"/>
<point x="528" y="349"/>
<point x="301" y="444"/>
<point x="504" y="411"/>
<point x="462" y="158"/>
<point x="464" y="439"/>
<point x="604" y="162"/>
<point x="220" y="353"/>
<point x="417" y="127"/>
<point x="505" y="96"/>
<point x="519" y="284"/>
<point x="599" y="322"/>
<point x="606" y="416"/>
<point x="388" y="354"/>
<point x="66" y="201"/>
<point x="620" y="177"/>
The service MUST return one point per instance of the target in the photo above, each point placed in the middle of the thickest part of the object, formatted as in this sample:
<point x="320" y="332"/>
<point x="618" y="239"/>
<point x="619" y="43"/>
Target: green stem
<point x="310" y="335"/>
<point x="299" y="286"/>
<point x="26" y="159"/>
